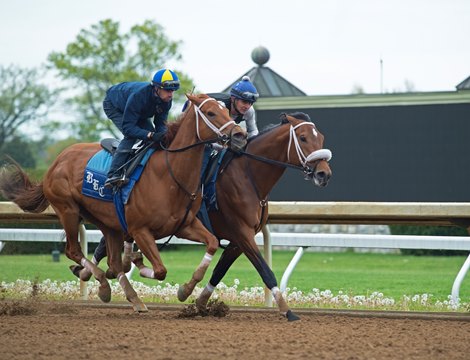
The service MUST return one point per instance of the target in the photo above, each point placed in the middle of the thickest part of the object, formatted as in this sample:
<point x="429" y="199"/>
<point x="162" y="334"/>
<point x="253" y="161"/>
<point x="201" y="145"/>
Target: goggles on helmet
<point x="246" y="95"/>
<point x="170" y="85"/>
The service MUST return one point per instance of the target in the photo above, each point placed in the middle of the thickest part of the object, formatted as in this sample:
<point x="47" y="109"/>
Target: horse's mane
<point x="283" y="117"/>
<point x="173" y="127"/>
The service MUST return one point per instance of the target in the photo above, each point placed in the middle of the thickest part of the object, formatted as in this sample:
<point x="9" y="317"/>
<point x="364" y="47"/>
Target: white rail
<point x="300" y="240"/>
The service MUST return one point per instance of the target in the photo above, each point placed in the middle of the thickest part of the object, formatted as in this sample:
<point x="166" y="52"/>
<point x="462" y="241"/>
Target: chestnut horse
<point x="242" y="191"/>
<point x="164" y="201"/>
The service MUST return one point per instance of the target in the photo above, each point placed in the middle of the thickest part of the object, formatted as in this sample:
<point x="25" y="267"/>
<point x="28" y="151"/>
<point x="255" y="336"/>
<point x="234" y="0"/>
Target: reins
<point x="322" y="154"/>
<point x="193" y="195"/>
<point x="210" y="141"/>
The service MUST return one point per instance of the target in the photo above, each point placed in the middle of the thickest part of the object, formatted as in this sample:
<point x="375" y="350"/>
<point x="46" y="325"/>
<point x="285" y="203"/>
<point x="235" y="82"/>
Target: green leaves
<point x="102" y="56"/>
<point x="22" y="99"/>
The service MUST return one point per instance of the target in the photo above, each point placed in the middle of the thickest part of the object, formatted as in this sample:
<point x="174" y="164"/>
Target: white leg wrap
<point x="206" y="260"/>
<point x="209" y="288"/>
<point x="147" y="272"/>
<point x="94" y="261"/>
<point x="275" y="290"/>
<point x="120" y="275"/>
<point x="128" y="247"/>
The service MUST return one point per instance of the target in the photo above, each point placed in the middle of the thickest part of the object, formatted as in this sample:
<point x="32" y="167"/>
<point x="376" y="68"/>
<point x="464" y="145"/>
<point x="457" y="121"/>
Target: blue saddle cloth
<point x="95" y="175"/>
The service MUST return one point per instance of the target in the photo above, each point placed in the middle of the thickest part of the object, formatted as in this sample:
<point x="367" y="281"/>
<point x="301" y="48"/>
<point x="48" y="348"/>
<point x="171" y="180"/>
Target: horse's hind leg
<point x="114" y="242"/>
<point x="100" y="253"/>
<point x="228" y="257"/>
<point x="198" y="232"/>
<point x="127" y="257"/>
<point x="70" y="220"/>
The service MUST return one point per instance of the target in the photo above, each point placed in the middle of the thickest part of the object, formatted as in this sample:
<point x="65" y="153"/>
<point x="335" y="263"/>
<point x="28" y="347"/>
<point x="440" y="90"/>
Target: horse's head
<point x="306" y="147"/>
<point x="212" y="118"/>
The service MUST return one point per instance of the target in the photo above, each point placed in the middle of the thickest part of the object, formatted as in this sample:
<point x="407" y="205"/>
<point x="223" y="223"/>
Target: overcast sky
<point x="322" y="47"/>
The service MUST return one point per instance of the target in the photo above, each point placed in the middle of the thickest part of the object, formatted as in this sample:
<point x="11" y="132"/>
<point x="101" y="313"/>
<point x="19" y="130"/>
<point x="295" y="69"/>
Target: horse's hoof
<point x="80" y="272"/>
<point x="75" y="269"/>
<point x="140" y="308"/>
<point x="181" y="294"/>
<point x="291" y="316"/>
<point x="110" y="274"/>
<point x="104" y="293"/>
<point x="137" y="259"/>
<point x="201" y="304"/>
<point x="126" y="267"/>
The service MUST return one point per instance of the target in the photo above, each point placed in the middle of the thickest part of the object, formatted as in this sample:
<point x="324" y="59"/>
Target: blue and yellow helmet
<point x="166" y="79"/>
<point x="245" y="90"/>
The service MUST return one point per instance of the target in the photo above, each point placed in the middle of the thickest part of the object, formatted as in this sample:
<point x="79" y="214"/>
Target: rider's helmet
<point x="166" y="79"/>
<point x="245" y="90"/>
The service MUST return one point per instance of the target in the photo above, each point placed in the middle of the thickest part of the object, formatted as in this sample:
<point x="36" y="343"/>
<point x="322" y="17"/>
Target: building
<point x="386" y="147"/>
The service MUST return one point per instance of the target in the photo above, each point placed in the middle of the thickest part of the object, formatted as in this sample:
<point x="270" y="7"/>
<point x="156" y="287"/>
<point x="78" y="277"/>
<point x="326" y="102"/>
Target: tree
<point x="101" y="57"/>
<point x="23" y="99"/>
<point x="19" y="149"/>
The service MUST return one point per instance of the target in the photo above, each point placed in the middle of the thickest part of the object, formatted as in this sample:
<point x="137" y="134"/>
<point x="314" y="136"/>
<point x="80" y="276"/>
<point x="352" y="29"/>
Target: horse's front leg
<point x="197" y="232"/>
<point x="228" y="257"/>
<point x="146" y="243"/>
<point x="251" y="250"/>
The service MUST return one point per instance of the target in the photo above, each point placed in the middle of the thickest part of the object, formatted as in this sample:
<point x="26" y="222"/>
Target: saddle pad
<point x="95" y="175"/>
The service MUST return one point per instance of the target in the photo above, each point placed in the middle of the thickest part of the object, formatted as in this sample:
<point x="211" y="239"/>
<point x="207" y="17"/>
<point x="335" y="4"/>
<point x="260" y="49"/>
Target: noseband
<point x="320" y="154"/>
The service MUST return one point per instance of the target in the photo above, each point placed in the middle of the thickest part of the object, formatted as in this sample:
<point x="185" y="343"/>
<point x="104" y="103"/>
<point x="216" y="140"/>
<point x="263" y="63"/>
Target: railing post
<point x="268" y="256"/>
<point x="84" y="246"/>
<point x="458" y="281"/>
<point x="290" y="268"/>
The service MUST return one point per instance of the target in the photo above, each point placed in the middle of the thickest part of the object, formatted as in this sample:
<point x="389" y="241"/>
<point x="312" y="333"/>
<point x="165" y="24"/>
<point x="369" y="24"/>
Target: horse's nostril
<point x="321" y="175"/>
<point x="239" y="136"/>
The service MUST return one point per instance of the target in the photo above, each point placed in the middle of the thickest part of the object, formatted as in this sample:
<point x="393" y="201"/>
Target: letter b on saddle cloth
<point x="96" y="173"/>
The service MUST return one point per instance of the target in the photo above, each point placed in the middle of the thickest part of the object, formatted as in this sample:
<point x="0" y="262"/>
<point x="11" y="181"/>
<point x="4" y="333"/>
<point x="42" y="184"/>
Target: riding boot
<point x="115" y="173"/>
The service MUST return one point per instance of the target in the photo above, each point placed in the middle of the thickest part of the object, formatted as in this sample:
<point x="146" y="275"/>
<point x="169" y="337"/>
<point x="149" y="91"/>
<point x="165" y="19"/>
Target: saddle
<point x="137" y="152"/>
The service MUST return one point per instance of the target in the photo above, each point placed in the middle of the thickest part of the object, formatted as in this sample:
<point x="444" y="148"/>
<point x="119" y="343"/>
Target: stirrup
<point x="116" y="181"/>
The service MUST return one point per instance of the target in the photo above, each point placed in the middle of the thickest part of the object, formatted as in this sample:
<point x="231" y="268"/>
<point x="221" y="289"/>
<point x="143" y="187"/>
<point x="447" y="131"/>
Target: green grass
<point x="353" y="273"/>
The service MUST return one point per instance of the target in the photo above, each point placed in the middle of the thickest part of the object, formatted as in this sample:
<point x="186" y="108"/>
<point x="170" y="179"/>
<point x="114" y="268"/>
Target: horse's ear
<point x="283" y="118"/>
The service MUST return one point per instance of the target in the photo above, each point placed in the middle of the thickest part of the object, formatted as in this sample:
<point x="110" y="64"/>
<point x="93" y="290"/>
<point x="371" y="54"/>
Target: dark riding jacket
<point x="138" y="103"/>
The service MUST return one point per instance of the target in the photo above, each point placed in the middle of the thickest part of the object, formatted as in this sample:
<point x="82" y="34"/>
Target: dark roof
<point x="464" y="85"/>
<point x="269" y="83"/>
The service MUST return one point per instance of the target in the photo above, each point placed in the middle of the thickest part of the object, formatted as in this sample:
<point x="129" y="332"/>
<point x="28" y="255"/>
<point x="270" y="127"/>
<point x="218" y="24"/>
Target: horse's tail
<point x="16" y="186"/>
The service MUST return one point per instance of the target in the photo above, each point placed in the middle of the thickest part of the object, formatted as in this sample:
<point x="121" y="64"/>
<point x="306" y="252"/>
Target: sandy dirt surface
<point x="76" y="331"/>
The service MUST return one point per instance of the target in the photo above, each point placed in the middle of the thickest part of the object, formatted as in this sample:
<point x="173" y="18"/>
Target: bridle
<point x="222" y="137"/>
<point x="320" y="154"/>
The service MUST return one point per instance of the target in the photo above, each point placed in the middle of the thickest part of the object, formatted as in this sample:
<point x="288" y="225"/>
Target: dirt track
<point x="75" y="331"/>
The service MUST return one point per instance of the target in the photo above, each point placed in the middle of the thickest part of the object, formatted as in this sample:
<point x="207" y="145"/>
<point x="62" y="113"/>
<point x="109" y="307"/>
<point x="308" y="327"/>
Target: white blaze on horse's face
<point x="314" y="131"/>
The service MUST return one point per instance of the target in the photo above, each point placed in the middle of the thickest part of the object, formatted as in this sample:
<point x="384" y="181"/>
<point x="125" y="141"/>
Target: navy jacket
<point x="138" y="102"/>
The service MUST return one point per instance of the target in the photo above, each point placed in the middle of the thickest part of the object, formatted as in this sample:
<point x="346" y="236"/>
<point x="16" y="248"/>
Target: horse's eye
<point x="210" y="113"/>
<point x="303" y="138"/>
